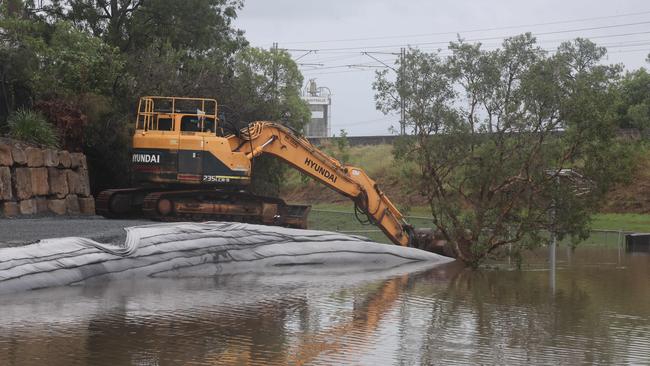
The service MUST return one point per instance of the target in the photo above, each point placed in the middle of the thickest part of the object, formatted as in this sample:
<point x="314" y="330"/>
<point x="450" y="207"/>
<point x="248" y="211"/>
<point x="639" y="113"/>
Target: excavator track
<point x="200" y="205"/>
<point x="203" y="205"/>
<point x="120" y="203"/>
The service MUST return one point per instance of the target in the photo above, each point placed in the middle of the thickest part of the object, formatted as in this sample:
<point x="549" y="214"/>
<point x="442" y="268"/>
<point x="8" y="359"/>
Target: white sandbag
<point x="193" y="249"/>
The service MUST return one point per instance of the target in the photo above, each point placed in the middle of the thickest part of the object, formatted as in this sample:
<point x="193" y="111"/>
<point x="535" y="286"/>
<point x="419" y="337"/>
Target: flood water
<point x="596" y="312"/>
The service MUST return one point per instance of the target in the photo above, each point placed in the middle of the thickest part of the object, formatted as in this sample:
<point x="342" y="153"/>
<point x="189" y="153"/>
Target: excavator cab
<point x="179" y="141"/>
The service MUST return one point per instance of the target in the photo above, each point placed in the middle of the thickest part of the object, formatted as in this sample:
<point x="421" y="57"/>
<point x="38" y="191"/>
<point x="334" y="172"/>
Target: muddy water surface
<point x="597" y="311"/>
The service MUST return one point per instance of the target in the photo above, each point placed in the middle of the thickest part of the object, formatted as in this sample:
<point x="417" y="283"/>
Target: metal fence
<point x="345" y="222"/>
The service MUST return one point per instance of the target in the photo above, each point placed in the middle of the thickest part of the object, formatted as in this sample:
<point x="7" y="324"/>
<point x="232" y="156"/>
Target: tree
<point x="95" y="58"/>
<point x="494" y="134"/>
<point x="266" y="85"/>
<point x="342" y="146"/>
<point x="21" y="39"/>
<point x="633" y="107"/>
<point x="74" y="64"/>
<point x="46" y="61"/>
<point x="134" y="24"/>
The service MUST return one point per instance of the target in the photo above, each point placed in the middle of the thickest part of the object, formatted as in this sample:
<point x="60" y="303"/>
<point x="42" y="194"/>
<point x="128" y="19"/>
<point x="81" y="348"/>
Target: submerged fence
<point x="345" y="222"/>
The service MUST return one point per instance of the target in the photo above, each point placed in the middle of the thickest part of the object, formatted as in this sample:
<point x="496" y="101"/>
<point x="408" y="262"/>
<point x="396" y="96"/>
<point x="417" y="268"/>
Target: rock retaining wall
<point x="36" y="181"/>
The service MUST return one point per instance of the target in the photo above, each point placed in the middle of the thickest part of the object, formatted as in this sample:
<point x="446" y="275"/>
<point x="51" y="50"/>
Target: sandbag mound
<point x="193" y="249"/>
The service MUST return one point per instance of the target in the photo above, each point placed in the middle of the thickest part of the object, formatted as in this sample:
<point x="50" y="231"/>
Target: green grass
<point x="340" y="217"/>
<point x="624" y="222"/>
<point x="31" y="126"/>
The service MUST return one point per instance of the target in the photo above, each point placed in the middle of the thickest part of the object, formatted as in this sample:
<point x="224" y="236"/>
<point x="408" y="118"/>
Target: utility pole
<point x="274" y="66"/>
<point x="402" y="120"/>
<point x="274" y="81"/>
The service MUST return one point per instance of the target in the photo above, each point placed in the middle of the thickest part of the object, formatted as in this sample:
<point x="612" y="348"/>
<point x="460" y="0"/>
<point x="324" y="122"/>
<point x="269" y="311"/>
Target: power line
<point x="490" y="38"/>
<point x="382" y="63"/>
<point x="645" y="43"/>
<point x="644" y="50"/>
<point x="492" y="45"/>
<point x="365" y="122"/>
<point x="472" y="30"/>
<point x="346" y="56"/>
<point x="308" y="72"/>
<point x="370" y="67"/>
<point x="351" y="66"/>
<point x="361" y="63"/>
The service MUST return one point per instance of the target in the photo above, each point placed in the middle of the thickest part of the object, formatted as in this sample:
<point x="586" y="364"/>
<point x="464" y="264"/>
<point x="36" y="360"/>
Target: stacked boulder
<point x="39" y="181"/>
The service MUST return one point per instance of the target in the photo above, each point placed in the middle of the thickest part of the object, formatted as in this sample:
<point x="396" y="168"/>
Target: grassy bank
<point x="332" y="211"/>
<point x="625" y="222"/>
<point x="602" y="221"/>
<point x="340" y="217"/>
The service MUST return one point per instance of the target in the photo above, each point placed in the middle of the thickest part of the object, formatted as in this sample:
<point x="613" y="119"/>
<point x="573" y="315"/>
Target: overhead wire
<point x="356" y="52"/>
<point x="445" y="52"/>
<point x="336" y="72"/>
<point x="473" y="30"/>
<point x="490" y="38"/>
<point x="365" y="122"/>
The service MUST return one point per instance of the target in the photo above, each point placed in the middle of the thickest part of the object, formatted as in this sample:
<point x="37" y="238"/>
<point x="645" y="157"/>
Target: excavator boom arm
<point x="278" y="140"/>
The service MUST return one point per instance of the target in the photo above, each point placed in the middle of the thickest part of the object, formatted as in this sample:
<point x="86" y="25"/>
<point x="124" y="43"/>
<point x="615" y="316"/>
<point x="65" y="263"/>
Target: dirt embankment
<point x="377" y="160"/>
<point x="313" y="193"/>
<point x="634" y="196"/>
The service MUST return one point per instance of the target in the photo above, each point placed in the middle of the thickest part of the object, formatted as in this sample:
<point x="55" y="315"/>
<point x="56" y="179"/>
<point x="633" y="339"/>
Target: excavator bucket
<point x="426" y="239"/>
<point x="296" y="216"/>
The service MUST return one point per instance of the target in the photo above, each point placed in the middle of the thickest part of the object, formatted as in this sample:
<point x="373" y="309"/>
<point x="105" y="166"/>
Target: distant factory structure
<point x="320" y="105"/>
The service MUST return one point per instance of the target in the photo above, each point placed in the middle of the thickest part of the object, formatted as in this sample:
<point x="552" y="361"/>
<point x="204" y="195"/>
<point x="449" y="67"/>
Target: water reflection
<point x="445" y="315"/>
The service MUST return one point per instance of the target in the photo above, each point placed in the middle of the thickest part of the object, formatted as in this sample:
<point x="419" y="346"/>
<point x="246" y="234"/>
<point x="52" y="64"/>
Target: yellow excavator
<point x="189" y="165"/>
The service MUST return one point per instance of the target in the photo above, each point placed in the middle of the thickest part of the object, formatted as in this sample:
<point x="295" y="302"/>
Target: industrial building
<point x="320" y="105"/>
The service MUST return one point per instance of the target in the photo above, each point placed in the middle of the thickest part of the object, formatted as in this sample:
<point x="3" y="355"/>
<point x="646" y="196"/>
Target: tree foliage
<point x="510" y="143"/>
<point x="266" y="86"/>
<point x="633" y="107"/>
<point x="99" y="56"/>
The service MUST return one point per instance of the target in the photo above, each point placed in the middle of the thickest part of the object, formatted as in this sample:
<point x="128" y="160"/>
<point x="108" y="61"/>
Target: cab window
<point x="208" y="125"/>
<point x="191" y="124"/>
<point x="165" y="124"/>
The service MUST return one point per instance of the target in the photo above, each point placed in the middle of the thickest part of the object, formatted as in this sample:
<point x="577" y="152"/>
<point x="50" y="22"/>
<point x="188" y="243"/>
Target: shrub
<point x="30" y="126"/>
<point x="67" y="119"/>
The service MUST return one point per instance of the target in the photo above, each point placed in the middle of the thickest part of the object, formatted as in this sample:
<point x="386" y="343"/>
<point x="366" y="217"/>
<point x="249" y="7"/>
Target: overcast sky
<point x="341" y="29"/>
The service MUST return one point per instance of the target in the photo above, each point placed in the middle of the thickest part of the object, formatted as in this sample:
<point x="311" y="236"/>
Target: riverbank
<point x="606" y="227"/>
<point x="331" y="217"/>
<point x="627" y="222"/>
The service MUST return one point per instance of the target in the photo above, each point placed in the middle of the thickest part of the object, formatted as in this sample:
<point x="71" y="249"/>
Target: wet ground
<point x="596" y="312"/>
<point x="23" y="231"/>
